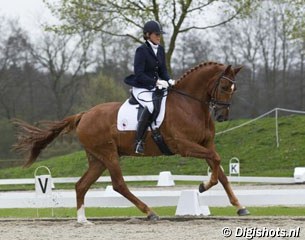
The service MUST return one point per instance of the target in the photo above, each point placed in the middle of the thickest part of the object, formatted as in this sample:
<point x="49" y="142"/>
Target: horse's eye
<point x="226" y="88"/>
<point x="230" y="88"/>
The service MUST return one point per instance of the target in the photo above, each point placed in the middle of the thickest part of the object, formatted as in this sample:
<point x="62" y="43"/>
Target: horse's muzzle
<point x="222" y="115"/>
<point x="221" y="118"/>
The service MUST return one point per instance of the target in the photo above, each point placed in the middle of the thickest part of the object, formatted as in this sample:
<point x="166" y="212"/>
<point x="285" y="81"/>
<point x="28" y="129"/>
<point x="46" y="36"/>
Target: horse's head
<point x="221" y="92"/>
<point x="210" y="83"/>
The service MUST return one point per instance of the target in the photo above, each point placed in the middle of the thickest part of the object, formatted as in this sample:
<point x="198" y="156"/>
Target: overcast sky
<point x="31" y="13"/>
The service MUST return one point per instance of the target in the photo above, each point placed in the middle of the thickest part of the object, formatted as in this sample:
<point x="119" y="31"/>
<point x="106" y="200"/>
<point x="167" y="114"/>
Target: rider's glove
<point x="162" y="84"/>
<point x="172" y="82"/>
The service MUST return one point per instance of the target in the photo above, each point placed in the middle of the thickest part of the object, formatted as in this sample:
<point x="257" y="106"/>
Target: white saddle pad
<point x="127" y="116"/>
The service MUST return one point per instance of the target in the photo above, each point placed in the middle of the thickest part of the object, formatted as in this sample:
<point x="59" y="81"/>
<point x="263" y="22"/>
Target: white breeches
<point x="144" y="97"/>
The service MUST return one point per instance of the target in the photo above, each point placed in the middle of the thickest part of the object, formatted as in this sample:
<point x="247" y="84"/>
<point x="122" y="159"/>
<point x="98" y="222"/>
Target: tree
<point x="295" y="17"/>
<point x="14" y="50"/>
<point x="114" y="57"/>
<point x="64" y="60"/>
<point x="100" y="89"/>
<point x="125" y="18"/>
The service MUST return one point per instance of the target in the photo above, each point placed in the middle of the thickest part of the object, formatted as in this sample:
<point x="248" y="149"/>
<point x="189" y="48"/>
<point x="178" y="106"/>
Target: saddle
<point x="157" y="100"/>
<point x="156" y="135"/>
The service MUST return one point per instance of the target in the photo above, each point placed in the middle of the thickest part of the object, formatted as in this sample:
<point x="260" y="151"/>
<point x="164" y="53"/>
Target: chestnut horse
<point x="187" y="129"/>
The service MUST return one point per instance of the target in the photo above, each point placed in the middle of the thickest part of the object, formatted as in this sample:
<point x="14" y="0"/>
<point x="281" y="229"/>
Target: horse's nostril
<point x="221" y="118"/>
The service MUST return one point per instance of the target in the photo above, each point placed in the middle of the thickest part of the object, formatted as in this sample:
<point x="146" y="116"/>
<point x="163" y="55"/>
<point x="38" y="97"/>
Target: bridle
<point x="214" y="103"/>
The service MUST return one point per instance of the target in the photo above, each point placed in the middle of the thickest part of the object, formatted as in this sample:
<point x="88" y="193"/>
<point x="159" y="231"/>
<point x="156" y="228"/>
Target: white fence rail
<point x="156" y="198"/>
<point x="168" y="197"/>
<point x="279" y="180"/>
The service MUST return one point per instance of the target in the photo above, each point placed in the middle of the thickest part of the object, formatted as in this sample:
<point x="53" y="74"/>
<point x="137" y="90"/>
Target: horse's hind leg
<point x="120" y="186"/>
<point x="94" y="171"/>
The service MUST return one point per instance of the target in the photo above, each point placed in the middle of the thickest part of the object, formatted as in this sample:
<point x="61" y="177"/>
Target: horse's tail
<point x="32" y="140"/>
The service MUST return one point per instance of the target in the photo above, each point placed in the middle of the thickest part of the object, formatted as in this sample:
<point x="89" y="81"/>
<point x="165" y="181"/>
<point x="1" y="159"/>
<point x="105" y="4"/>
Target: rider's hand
<point x="172" y="82"/>
<point x="162" y="84"/>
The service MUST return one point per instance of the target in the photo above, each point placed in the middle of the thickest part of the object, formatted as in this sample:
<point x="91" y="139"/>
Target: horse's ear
<point x="228" y="69"/>
<point x="237" y="69"/>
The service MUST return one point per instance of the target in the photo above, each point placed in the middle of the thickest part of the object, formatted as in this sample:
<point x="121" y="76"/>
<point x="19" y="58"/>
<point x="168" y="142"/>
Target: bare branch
<point x="212" y="26"/>
<point x="200" y="7"/>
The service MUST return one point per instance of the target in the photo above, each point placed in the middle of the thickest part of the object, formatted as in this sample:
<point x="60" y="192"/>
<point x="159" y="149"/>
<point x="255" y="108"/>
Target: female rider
<point x="150" y="74"/>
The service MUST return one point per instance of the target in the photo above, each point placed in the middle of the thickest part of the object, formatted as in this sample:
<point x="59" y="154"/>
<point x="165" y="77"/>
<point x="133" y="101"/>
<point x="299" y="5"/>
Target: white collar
<point x="154" y="46"/>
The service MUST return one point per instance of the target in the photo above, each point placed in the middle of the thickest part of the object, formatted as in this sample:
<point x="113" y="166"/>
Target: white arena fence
<point x="155" y="198"/>
<point x="267" y="180"/>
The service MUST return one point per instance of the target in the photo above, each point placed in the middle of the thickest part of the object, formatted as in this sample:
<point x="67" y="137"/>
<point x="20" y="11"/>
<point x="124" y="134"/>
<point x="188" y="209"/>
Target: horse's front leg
<point x="187" y="148"/>
<point x="241" y="211"/>
<point x="190" y="149"/>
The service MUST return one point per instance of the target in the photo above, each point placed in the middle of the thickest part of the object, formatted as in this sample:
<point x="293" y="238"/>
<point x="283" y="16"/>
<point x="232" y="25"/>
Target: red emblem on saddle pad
<point x="124" y="123"/>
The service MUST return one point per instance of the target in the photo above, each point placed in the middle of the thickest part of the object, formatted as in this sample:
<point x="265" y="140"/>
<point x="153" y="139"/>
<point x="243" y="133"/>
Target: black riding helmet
<point x="152" y="27"/>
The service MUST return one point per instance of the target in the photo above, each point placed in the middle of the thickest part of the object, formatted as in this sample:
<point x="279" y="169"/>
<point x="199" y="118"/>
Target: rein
<point x="186" y="95"/>
<point x="213" y="102"/>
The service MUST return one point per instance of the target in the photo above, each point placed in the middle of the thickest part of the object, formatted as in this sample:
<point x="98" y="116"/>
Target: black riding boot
<point x="143" y="124"/>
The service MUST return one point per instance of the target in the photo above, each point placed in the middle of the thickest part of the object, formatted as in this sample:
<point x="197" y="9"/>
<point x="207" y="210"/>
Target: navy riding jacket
<point x="148" y="67"/>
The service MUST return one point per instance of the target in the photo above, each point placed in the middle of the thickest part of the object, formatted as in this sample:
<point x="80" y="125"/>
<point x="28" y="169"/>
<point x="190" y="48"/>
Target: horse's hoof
<point x="85" y="222"/>
<point x="153" y="217"/>
<point x="243" y="212"/>
<point x="201" y="188"/>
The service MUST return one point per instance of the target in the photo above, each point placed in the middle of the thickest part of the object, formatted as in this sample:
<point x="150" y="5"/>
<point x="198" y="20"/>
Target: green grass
<point x="134" y="212"/>
<point x="253" y="144"/>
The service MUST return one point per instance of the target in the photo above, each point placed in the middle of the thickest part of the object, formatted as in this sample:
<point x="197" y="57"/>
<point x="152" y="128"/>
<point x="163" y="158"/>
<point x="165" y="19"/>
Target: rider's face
<point x="155" y="38"/>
